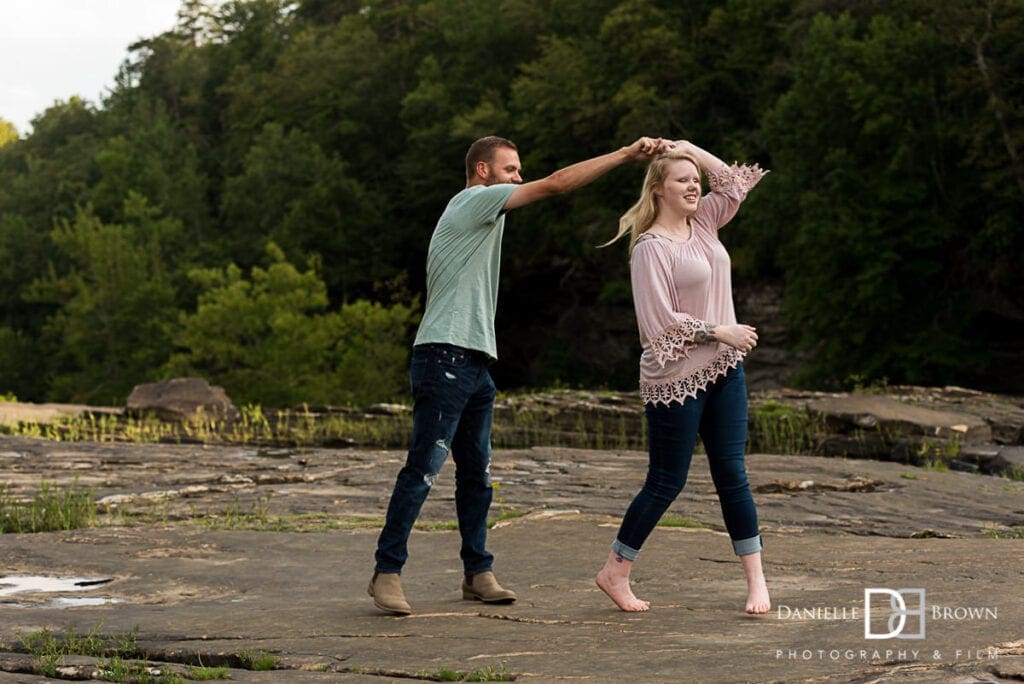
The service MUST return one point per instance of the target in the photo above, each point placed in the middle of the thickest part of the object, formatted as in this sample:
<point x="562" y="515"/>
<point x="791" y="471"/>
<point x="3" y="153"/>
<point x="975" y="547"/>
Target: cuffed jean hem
<point x="627" y="552"/>
<point x="745" y="547"/>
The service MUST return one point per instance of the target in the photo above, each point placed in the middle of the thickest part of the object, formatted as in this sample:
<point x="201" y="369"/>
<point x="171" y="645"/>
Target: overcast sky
<point x="53" y="49"/>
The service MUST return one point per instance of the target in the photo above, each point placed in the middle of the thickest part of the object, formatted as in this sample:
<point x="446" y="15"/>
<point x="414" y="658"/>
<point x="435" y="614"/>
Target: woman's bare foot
<point x="758" y="601"/>
<point x="614" y="581"/>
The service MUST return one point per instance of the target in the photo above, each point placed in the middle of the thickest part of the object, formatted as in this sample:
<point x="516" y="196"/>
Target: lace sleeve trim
<point x="695" y="381"/>
<point x="676" y="341"/>
<point x="740" y="177"/>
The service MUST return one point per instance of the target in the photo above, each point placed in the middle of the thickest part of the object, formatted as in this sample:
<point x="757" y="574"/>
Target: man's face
<point x="504" y="167"/>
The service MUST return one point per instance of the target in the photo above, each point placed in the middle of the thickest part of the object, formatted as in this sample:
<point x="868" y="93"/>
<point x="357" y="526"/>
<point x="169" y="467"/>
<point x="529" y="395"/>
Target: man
<point x="453" y="394"/>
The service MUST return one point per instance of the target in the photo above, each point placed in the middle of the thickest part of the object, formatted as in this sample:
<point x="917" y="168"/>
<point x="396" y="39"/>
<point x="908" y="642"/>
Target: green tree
<point x="8" y="132"/>
<point x="371" y="355"/>
<point x="337" y="129"/>
<point x="263" y="339"/>
<point x="322" y="82"/>
<point x="985" y="62"/>
<point x="270" y="339"/>
<point x="43" y="177"/>
<point x="869" y="254"/>
<point x="427" y="113"/>
<point x="48" y="174"/>
<point x="113" y="329"/>
<point x="290" y="193"/>
<point x="157" y="161"/>
<point x="20" y="364"/>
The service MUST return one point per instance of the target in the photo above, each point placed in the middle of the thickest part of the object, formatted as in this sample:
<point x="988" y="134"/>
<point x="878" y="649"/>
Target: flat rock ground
<point x="214" y="552"/>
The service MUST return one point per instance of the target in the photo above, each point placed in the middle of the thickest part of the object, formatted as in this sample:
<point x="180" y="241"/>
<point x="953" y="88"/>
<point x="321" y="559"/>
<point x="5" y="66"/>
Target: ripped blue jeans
<point x="453" y="403"/>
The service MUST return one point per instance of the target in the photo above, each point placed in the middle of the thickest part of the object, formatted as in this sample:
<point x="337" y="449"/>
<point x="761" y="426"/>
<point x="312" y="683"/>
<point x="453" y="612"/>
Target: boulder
<point x="851" y="412"/>
<point x="1007" y="424"/>
<point x="995" y="458"/>
<point x="180" y="399"/>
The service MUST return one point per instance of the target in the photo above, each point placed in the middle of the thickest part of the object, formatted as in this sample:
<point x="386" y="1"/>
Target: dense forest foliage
<point x="253" y="200"/>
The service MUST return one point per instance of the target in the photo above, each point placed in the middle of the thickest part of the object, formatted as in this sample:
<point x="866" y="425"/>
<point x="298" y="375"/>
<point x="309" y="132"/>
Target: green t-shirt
<point x="462" y="270"/>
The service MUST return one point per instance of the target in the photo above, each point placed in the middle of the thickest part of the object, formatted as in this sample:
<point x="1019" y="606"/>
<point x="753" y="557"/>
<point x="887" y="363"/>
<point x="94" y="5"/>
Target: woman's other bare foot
<point x="614" y="581"/>
<point x="758" y="601"/>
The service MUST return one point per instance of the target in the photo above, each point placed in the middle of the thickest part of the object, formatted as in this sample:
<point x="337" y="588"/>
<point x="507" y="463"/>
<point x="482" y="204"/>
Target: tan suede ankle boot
<point x="386" y="590"/>
<point x="484" y="587"/>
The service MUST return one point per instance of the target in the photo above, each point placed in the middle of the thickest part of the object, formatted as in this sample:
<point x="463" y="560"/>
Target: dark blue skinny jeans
<point x="719" y="415"/>
<point x="453" y="403"/>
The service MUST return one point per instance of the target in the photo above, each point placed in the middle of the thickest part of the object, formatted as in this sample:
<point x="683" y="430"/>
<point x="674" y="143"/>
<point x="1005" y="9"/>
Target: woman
<point x="691" y="372"/>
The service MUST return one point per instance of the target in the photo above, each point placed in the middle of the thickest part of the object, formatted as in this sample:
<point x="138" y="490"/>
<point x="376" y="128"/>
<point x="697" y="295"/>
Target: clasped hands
<point x="649" y="147"/>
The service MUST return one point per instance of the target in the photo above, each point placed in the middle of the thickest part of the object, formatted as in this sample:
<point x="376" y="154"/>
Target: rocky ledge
<point x="941" y="427"/>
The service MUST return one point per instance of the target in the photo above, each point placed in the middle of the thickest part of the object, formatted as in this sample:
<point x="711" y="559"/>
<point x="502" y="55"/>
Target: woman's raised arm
<point x="709" y="162"/>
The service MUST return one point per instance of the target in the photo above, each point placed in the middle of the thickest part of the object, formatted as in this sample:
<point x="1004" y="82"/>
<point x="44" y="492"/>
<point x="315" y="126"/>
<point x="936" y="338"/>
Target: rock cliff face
<point x="772" y="365"/>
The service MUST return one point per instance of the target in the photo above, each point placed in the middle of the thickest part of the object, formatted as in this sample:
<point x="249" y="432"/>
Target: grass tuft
<point x="1006" y="533"/>
<point x="49" y="649"/>
<point x="1015" y="474"/>
<point x="505" y="514"/>
<point x="777" y="428"/>
<point x="205" y="674"/>
<point x="485" y="674"/>
<point x="676" y="520"/>
<point x="49" y="510"/>
<point x="260" y="661"/>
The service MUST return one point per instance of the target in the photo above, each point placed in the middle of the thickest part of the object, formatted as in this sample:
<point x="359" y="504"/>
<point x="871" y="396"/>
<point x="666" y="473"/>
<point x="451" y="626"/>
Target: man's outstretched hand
<point x="645" y="148"/>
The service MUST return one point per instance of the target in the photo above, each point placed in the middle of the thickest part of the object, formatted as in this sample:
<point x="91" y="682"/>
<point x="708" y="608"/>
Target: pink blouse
<point x="677" y="286"/>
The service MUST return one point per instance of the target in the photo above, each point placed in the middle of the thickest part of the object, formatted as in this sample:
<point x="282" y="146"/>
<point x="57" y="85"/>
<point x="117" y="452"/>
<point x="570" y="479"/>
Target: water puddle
<point x="69" y="602"/>
<point x="46" y="584"/>
<point x="275" y="453"/>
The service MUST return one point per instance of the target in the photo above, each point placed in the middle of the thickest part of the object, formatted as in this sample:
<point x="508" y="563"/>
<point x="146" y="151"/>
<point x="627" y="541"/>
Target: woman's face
<point x="680" y="191"/>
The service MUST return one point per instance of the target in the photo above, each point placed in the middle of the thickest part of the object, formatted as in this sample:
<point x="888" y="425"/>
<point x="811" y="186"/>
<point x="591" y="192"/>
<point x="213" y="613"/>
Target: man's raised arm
<point x="581" y="173"/>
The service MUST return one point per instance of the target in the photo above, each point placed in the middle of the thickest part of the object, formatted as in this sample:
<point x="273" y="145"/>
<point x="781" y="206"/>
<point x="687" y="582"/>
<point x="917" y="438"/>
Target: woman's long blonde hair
<point x="642" y="215"/>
